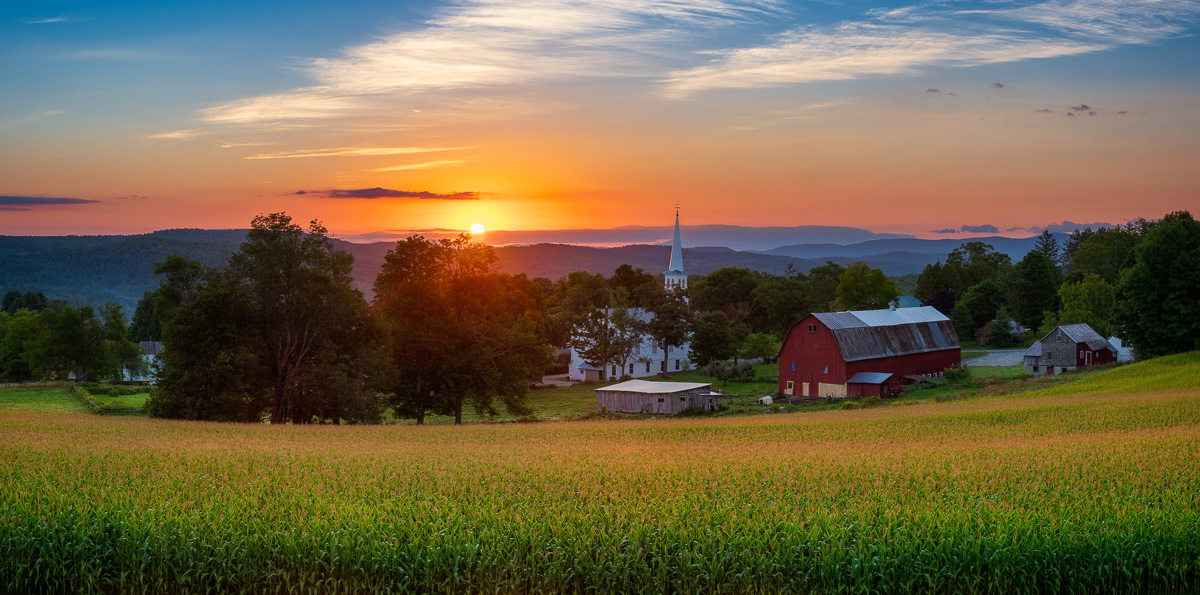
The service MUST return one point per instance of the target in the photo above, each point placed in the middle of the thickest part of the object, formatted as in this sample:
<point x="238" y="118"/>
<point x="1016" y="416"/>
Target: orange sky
<point x="907" y="143"/>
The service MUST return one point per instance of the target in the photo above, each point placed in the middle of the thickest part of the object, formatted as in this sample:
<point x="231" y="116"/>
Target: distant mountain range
<point x="97" y="269"/>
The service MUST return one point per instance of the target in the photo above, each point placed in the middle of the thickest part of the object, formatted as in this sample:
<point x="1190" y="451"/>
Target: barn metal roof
<point x="1034" y="350"/>
<point x="871" y="334"/>
<point x="1082" y="333"/>
<point x="655" y="388"/>
<point x="869" y="378"/>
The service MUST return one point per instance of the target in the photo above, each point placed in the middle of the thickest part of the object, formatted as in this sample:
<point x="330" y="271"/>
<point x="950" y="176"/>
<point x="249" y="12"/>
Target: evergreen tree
<point x="1048" y="244"/>
<point x="963" y="323"/>
<point x="1037" y="282"/>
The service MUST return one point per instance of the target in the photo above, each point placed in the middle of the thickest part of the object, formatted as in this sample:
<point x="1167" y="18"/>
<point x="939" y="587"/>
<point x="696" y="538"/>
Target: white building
<point x="647" y="358"/>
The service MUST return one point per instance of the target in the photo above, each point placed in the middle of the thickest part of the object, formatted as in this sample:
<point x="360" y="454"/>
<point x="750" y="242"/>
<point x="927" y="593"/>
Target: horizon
<point x="898" y="117"/>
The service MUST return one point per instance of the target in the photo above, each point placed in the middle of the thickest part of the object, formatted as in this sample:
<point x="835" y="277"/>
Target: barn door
<point x="1087" y="358"/>
<point x="804" y="389"/>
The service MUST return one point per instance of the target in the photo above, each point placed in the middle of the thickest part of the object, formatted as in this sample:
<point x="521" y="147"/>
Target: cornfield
<point x="1084" y="492"/>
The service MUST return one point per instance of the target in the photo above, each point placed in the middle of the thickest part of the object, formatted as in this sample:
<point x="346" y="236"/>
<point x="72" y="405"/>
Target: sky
<point x="937" y="119"/>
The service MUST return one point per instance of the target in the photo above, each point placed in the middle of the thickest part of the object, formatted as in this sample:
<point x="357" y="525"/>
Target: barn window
<point x="1080" y="354"/>
<point x="682" y="398"/>
<point x="1058" y="338"/>
<point x="1035" y="368"/>
<point x="791" y="385"/>
<point x="793" y="367"/>
<point x="812" y="328"/>
<point x="660" y="399"/>
<point x="826" y="370"/>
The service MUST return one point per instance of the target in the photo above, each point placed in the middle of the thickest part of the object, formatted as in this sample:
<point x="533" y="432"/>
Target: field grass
<point x="56" y="399"/>
<point x="1078" y="488"/>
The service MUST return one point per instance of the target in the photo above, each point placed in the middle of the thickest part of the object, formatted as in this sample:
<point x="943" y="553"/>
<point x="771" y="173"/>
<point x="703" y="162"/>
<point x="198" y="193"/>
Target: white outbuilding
<point x="666" y="398"/>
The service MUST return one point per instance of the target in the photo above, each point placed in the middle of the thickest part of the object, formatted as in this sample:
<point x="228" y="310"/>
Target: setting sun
<point x="477" y="228"/>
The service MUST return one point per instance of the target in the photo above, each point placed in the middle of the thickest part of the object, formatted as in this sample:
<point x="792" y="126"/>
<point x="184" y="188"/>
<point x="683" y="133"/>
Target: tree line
<point x="1140" y="282"/>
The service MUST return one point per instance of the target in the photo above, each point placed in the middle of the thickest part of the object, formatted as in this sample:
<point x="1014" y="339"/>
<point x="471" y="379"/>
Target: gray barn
<point x="667" y="398"/>
<point x="1066" y="348"/>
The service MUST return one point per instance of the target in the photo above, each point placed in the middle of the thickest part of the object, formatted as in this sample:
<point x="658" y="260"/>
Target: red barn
<point x="1067" y="347"/>
<point x="865" y="353"/>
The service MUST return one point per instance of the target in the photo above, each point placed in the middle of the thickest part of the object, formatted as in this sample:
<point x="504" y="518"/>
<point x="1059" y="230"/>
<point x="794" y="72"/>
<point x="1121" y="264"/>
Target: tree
<point x="145" y="325"/>
<point x="1091" y="301"/>
<point x="712" y="338"/>
<point x="1000" y="334"/>
<point x="1159" y="297"/>
<point x="975" y="262"/>
<point x="943" y="299"/>
<point x="727" y="290"/>
<point x="982" y="301"/>
<point x="607" y="338"/>
<point x="760" y="346"/>
<point x="964" y="323"/>
<point x="864" y="288"/>
<point x="669" y="325"/>
<point x="24" y="338"/>
<point x="1036" y="288"/>
<point x="1048" y="244"/>
<point x="1103" y="253"/>
<point x="280" y="327"/>
<point x="824" y="283"/>
<point x="460" y="332"/>
<point x="780" y="301"/>
<point x="634" y="287"/>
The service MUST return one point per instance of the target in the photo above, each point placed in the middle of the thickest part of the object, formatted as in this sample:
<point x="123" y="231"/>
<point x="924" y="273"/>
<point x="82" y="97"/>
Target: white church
<point x="647" y="359"/>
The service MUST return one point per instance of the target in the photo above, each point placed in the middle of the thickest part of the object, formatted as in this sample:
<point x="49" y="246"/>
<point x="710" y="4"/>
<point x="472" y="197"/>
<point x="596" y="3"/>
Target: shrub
<point x="958" y="374"/>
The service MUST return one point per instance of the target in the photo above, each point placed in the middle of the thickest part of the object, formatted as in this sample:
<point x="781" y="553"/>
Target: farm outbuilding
<point x="865" y="353"/>
<point x="1067" y="347"/>
<point x="667" y="398"/>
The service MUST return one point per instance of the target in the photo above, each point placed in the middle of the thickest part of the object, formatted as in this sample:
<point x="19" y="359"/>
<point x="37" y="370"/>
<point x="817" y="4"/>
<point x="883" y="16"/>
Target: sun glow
<point x="477" y="228"/>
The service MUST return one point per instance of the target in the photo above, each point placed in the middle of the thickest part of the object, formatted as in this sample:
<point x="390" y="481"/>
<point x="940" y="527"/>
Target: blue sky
<point x="548" y="113"/>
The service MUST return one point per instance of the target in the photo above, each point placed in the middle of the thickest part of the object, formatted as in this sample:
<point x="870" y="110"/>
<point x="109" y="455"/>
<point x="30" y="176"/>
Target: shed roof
<point x="654" y="388"/>
<point x="1034" y="350"/>
<point x="869" y="378"/>
<point x="872" y="334"/>
<point x="1082" y="333"/>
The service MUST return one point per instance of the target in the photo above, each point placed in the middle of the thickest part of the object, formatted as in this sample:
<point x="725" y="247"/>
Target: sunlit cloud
<point x="479" y="43"/>
<point x="49" y="20"/>
<point x="903" y="41"/>
<point x="179" y="134"/>
<point x="353" y="152"/>
<point x="426" y="165"/>
<point x="374" y="193"/>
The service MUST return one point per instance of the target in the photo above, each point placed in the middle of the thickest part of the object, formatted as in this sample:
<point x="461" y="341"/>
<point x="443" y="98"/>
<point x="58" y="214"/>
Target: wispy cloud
<point x="27" y="203"/>
<point x="179" y="134"/>
<point x="373" y="193"/>
<point x="479" y="43"/>
<point x="939" y="34"/>
<point x="30" y="119"/>
<point x="353" y="152"/>
<point x="947" y="230"/>
<point x="426" y="165"/>
<point x="47" y="21"/>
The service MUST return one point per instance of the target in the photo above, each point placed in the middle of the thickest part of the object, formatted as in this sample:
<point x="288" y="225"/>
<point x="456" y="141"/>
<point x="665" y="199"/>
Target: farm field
<point x="56" y="399"/>
<point x="1085" y="486"/>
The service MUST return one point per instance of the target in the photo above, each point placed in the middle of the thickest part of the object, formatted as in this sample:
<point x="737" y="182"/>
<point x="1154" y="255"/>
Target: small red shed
<point x="867" y="352"/>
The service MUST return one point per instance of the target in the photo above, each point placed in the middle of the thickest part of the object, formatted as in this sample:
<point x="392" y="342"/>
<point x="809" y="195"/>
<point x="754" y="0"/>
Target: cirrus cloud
<point x="374" y="193"/>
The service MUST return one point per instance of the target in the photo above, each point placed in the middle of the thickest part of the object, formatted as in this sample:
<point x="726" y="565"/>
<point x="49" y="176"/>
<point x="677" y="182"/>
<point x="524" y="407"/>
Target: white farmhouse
<point x="647" y="359"/>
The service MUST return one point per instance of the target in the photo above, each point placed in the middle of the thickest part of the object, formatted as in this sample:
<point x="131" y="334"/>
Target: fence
<point x="101" y="408"/>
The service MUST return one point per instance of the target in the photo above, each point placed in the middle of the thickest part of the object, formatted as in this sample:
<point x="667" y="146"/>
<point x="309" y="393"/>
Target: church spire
<point x="675" y="276"/>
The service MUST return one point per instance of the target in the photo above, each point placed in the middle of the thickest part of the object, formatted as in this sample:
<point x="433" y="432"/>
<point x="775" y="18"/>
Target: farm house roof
<point x="1082" y="333"/>
<point x="655" y="388"/>
<point x="872" y="334"/>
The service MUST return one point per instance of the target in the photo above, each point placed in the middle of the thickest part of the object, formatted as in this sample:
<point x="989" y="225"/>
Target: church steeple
<point x="675" y="277"/>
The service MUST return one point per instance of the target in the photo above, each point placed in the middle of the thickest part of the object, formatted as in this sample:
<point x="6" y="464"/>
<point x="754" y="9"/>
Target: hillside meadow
<point x="1086" y="486"/>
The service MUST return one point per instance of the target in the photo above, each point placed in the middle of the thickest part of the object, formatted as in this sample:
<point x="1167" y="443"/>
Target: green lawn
<point x="54" y="399"/>
<point x="135" y="400"/>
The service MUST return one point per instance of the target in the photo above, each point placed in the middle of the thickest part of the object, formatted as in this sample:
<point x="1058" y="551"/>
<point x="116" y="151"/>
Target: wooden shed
<point x="1067" y="347"/>
<point x="666" y="398"/>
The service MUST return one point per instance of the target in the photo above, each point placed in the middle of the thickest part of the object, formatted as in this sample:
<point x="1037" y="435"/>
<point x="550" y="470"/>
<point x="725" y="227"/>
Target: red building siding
<point x="805" y="356"/>
<point x="1103" y="356"/>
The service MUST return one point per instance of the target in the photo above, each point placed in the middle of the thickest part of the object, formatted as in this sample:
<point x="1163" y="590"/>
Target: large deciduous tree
<point x="1091" y="301"/>
<point x="461" y="333"/>
<point x="864" y="288"/>
<point x="607" y="338"/>
<point x="1159" y="310"/>
<point x="670" y="325"/>
<point x="281" y="331"/>
<point x="712" y="338"/>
